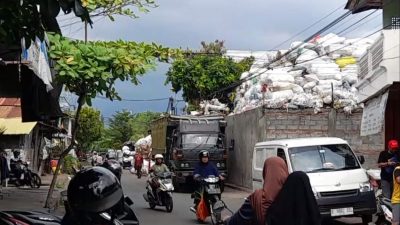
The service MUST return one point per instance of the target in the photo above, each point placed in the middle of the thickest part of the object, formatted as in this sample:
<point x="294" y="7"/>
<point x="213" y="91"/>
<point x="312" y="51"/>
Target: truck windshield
<point x="194" y="140"/>
<point x="323" y="158"/>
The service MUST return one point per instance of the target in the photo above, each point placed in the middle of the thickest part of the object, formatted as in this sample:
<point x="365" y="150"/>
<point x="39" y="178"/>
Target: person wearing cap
<point x="387" y="162"/>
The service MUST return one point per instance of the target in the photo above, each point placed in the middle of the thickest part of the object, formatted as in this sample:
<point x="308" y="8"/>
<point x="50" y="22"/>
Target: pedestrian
<point x="295" y="204"/>
<point x="256" y="206"/>
<point x="396" y="197"/>
<point x="387" y="161"/>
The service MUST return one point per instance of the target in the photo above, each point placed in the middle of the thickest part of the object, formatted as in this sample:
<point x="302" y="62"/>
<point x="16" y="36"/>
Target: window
<point x="260" y="158"/>
<point x="323" y="158"/>
<point x="281" y="154"/>
<point x="197" y="140"/>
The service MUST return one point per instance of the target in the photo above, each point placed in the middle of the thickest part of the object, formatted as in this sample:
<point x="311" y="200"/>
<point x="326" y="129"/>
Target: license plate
<point x="342" y="211"/>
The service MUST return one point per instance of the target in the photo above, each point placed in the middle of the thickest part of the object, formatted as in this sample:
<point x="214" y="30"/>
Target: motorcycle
<point x="384" y="205"/>
<point x="21" y="175"/>
<point x="384" y="211"/>
<point x="211" y="192"/>
<point x="138" y="165"/>
<point x="162" y="195"/>
<point x="43" y="218"/>
<point x="124" y="214"/>
<point x="127" y="161"/>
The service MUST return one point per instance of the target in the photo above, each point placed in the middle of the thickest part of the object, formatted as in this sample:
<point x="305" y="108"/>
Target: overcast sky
<point x="243" y="24"/>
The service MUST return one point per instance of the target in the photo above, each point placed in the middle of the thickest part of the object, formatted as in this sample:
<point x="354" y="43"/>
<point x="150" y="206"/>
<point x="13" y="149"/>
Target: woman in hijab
<point x="255" y="208"/>
<point x="295" y="204"/>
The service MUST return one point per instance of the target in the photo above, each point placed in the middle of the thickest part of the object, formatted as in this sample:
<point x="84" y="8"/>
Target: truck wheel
<point x="177" y="186"/>
<point x="366" y="219"/>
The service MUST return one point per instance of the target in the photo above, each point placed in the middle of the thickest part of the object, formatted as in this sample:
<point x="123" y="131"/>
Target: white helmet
<point x="126" y="148"/>
<point x="159" y="156"/>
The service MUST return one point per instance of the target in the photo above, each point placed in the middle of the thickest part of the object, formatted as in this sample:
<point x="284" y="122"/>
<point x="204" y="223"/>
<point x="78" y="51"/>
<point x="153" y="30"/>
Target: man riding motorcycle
<point x="158" y="167"/>
<point x="203" y="169"/>
<point x="114" y="166"/>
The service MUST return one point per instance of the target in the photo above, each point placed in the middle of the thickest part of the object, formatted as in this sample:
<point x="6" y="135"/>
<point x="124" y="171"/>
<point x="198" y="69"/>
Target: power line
<point x="137" y="100"/>
<point x="267" y="65"/>
<point x="307" y="28"/>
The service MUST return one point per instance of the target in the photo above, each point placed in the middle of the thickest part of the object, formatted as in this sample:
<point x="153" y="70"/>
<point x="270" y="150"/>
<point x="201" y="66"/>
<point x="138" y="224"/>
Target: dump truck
<point x="181" y="138"/>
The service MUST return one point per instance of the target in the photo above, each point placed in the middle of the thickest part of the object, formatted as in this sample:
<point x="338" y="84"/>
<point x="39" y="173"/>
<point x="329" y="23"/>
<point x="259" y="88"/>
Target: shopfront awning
<point x="15" y="126"/>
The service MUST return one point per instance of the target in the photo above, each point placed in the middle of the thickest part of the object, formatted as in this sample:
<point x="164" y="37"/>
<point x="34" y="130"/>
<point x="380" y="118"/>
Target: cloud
<point x="243" y="24"/>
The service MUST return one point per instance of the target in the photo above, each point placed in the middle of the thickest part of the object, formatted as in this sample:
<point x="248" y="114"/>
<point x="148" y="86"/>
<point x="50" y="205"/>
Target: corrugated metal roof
<point x="15" y="126"/>
<point x="10" y="108"/>
<point x="357" y="6"/>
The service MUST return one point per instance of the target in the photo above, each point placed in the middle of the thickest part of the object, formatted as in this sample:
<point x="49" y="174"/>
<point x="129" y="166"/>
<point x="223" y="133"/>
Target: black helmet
<point x="204" y="153"/>
<point x="114" y="166"/>
<point x="94" y="190"/>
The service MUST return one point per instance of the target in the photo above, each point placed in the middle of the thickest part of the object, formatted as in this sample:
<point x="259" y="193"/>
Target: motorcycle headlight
<point x="222" y="164"/>
<point x="182" y="164"/>
<point x="218" y="165"/>
<point x="365" y="187"/>
<point x="187" y="165"/>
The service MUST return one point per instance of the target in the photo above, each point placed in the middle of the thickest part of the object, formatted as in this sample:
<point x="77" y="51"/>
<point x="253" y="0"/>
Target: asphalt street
<point x="181" y="215"/>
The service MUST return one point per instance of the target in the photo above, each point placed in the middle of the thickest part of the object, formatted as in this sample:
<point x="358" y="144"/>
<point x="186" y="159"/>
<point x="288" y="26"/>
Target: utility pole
<point x="86" y="33"/>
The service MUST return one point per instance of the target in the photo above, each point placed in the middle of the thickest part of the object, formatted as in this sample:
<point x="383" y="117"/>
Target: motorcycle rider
<point x="158" y="167"/>
<point x="114" y="166"/>
<point x="96" y="159"/>
<point x="203" y="169"/>
<point x="138" y="162"/>
<point x="92" y="192"/>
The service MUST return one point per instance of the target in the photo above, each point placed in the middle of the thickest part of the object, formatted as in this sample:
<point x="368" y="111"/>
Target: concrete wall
<point x="250" y="127"/>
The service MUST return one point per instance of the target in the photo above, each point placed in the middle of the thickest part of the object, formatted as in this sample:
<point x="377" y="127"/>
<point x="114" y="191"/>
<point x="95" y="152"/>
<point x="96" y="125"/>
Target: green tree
<point x="120" y="129"/>
<point x="90" y="128"/>
<point x="20" y="19"/>
<point x="201" y="74"/>
<point x="141" y="122"/>
<point x="92" y="68"/>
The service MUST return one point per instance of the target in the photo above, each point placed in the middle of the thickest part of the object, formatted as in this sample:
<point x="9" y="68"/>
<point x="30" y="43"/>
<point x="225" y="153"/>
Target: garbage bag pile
<point x="213" y="106"/>
<point x="143" y="146"/>
<point x="317" y="74"/>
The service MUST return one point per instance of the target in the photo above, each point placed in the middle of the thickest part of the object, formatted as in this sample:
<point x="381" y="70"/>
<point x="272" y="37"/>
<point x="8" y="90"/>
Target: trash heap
<point x="143" y="146"/>
<point x="318" y="74"/>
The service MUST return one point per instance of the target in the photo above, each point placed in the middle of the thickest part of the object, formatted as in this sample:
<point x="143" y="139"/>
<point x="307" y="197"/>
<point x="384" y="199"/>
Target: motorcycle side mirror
<point x="128" y="200"/>
<point x="361" y="158"/>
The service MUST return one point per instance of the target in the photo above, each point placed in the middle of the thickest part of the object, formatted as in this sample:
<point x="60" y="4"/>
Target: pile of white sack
<point x="144" y="142"/>
<point x="213" y="106"/>
<point x="304" y="78"/>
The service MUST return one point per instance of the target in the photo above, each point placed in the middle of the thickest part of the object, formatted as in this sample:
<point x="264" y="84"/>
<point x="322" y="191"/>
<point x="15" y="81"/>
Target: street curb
<point x="235" y="187"/>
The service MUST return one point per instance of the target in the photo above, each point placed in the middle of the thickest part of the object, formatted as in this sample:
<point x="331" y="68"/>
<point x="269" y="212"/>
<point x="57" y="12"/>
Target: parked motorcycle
<point x="162" y="195"/>
<point x="21" y="175"/>
<point x="211" y="192"/>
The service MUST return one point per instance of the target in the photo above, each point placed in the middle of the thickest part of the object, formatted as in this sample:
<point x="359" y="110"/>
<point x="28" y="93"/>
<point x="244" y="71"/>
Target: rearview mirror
<point x="361" y="159"/>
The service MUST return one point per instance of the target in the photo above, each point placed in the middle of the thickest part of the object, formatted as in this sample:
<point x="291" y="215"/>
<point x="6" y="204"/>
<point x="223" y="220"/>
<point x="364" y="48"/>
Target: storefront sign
<point x="373" y="117"/>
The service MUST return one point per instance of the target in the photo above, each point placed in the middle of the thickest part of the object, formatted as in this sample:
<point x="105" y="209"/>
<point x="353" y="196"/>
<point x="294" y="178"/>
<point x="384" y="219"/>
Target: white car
<point x="340" y="184"/>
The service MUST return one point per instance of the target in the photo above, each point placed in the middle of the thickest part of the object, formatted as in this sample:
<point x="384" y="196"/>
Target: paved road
<point x="181" y="215"/>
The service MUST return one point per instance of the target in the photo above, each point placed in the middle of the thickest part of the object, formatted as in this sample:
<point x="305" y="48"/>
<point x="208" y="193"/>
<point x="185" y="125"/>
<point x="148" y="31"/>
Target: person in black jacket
<point x="295" y="204"/>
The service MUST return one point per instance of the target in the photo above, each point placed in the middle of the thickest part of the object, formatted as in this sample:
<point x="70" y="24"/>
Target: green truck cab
<point x="181" y="138"/>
